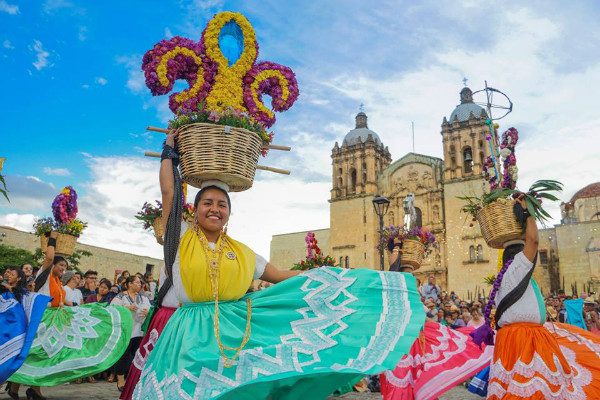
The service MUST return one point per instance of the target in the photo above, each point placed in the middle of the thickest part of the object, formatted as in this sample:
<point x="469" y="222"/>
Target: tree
<point x="13" y="256"/>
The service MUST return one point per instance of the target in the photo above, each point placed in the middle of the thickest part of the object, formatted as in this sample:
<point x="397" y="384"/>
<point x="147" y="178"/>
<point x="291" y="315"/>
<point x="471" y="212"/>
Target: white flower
<point x="513" y="169"/>
<point x="505" y="152"/>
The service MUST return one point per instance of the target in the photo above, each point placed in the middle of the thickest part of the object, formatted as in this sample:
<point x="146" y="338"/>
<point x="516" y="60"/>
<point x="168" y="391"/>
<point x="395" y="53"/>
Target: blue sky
<point x="75" y="106"/>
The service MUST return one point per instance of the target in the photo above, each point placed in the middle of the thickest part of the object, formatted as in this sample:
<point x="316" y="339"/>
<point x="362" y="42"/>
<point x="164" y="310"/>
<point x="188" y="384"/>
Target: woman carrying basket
<point x="301" y="338"/>
<point x="532" y="361"/>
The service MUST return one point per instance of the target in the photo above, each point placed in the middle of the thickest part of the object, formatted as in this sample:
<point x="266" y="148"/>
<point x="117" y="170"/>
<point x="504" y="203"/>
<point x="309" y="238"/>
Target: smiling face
<point x="27" y="269"/>
<point x="11" y="276"/>
<point x="59" y="268"/>
<point x="212" y="211"/>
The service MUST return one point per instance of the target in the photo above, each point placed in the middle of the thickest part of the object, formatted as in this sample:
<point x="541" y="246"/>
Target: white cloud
<point x="52" y="5"/>
<point x="85" y="86"/>
<point x="42" y="55"/>
<point x="168" y="33"/>
<point x="82" y="33"/>
<point x="57" y="171"/>
<point x="101" y="81"/>
<point x="29" y="193"/>
<point x="22" y="222"/>
<point x="136" y="82"/>
<point x="8" y="8"/>
<point x="7" y="45"/>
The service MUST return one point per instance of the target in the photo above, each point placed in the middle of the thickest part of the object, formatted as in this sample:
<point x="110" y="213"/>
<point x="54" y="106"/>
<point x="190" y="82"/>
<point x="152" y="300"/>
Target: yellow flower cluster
<point x="66" y="191"/>
<point x="161" y="71"/>
<point x="264" y="75"/>
<point x="227" y="90"/>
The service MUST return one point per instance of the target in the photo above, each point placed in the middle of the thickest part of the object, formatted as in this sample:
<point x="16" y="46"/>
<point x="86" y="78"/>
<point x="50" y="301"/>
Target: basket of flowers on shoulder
<point x="69" y="228"/>
<point x="495" y="210"/>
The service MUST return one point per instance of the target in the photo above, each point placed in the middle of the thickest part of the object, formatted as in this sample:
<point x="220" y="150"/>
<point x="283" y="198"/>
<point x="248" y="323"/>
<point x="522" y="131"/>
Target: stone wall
<point x="290" y="248"/>
<point x="104" y="261"/>
<point x="579" y="254"/>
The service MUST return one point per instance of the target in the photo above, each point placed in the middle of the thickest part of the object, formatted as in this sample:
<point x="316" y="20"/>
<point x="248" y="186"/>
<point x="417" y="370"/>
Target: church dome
<point x="463" y="111"/>
<point x="361" y="132"/>
<point x="591" y="190"/>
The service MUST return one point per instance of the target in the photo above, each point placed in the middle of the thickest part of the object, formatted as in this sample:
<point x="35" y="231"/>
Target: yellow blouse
<point x="236" y="268"/>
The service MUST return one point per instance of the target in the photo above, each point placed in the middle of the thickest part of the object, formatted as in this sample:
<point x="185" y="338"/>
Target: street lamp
<point x="381" y="205"/>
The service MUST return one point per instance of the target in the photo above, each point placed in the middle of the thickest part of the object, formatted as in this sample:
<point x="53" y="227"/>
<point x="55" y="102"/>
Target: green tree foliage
<point x="12" y="256"/>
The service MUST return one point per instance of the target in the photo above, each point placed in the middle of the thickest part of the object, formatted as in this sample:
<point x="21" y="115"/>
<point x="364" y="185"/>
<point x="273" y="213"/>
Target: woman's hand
<point x="172" y="137"/>
<point x="144" y="312"/>
<point x="132" y="307"/>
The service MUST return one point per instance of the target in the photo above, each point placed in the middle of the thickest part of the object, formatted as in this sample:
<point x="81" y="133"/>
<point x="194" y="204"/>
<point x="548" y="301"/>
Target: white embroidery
<point x="570" y="385"/>
<point x="322" y="321"/>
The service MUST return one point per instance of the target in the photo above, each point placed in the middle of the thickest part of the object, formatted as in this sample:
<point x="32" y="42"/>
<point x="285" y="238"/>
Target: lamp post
<point x="381" y="205"/>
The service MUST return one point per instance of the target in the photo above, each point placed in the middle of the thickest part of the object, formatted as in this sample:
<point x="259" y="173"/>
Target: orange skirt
<point x="530" y="363"/>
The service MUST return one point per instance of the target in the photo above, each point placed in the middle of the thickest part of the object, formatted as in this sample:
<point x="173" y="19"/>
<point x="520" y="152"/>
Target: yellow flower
<point x="161" y="71"/>
<point x="262" y="76"/>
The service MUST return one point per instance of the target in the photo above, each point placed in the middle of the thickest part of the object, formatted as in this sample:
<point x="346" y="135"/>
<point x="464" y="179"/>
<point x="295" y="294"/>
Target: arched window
<point x="364" y="173"/>
<point x="347" y="262"/>
<point x="481" y="158"/>
<point x="480" y="253"/>
<point x="341" y="261"/>
<point x="419" y="221"/>
<point x="472" y="253"/>
<point x="467" y="160"/>
<point x="352" y="180"/>
<point x="340" y="179"/>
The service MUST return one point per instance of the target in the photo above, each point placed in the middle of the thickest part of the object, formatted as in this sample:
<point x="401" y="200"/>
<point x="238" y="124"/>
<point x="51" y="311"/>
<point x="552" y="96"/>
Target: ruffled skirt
<point x="74" y="342"/>
<point x="157" y="324"/>
<point x="18" y="325"/>
<point x="309" y="335"/>
<point x="439" y="360"/>
<point x="557" y="361"/>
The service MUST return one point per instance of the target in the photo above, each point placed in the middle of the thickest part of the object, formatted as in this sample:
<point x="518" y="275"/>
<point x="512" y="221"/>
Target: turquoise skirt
<point x="309" y="335"/>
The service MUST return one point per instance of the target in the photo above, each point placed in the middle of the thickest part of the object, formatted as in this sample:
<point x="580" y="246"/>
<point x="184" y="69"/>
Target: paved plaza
<point x="108" y="391"/>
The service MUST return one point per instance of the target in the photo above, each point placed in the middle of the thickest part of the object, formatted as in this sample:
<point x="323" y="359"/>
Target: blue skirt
<point x="18" y="325"/>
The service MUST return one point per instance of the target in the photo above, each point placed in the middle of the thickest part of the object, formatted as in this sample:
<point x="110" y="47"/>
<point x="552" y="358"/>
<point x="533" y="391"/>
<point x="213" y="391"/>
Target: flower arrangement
<point x="503" y="184"/>
<point x="223" y="89"/>
<point x="489" y="280"/>
<point x="314" y="256"/>
<point x="149" y="213"/>
<point x="187" y="213"/>
<point x="422" y="235"/>
<point x="64" y="210"/>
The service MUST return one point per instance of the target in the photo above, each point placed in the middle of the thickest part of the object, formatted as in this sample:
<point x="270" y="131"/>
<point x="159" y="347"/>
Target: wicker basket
<point x="413" y="252"/>
<point x="209" y="151"/>
<point x="498" y="223"/>
<point x="65" y="244"/>
<point x="159" y="231"/>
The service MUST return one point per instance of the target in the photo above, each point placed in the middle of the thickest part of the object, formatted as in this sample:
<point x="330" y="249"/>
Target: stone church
<point x="362" y="169"/>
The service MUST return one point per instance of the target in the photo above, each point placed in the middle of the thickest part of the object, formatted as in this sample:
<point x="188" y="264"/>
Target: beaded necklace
<point x="214" y="263"/>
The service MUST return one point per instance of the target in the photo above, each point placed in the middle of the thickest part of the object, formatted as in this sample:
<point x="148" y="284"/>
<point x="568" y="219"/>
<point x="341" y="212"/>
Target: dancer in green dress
<point x="301" y="338"/>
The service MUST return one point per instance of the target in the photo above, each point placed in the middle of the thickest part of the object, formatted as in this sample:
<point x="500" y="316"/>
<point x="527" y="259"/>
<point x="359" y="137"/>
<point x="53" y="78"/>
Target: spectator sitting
<point x="91" y="279"/>
<point x="104" y="295"/>
<point x="72" y="295"/>
<point x="476" y="318"/>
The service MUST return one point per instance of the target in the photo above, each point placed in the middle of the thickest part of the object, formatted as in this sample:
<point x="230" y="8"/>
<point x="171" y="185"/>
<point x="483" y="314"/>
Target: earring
<point x="225" y="228"/>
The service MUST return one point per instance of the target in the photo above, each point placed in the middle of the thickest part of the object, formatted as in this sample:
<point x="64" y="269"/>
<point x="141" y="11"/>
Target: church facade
<point x="362" y="169"/>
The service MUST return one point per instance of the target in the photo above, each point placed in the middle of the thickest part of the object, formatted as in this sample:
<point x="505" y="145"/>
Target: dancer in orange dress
<point x="530" y="361"/>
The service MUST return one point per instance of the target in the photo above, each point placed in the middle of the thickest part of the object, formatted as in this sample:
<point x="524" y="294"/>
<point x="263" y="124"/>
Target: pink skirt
<point x="439" y="360"/>
<point x="158" y="323"/>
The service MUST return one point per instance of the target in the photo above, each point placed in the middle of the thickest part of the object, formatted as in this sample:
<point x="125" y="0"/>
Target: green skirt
<point x="310" y="335"/>
<point x="74" y="342"/>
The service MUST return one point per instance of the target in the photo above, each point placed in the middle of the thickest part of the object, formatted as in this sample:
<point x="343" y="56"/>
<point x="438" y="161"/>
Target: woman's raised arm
<point x="166" y="176"/>
<point x="50" y="251"/>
